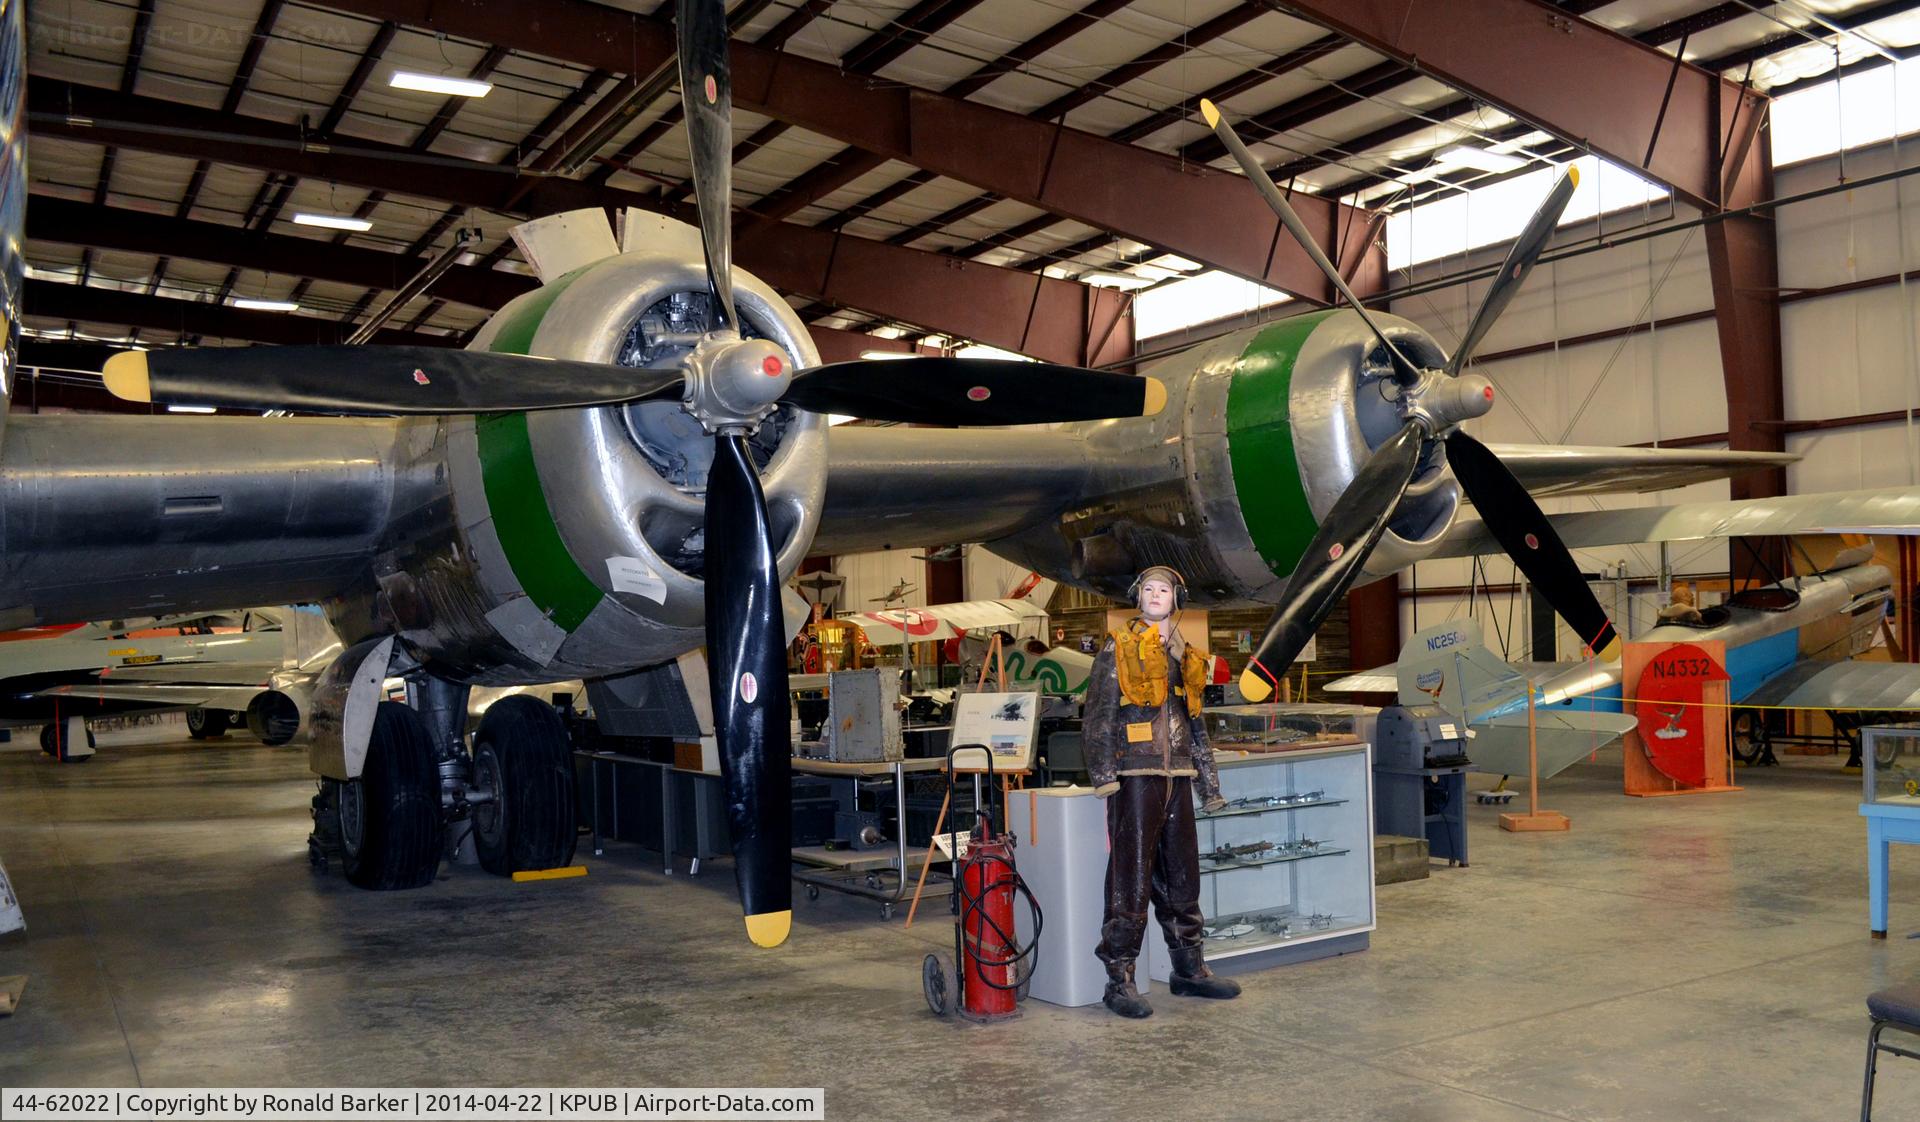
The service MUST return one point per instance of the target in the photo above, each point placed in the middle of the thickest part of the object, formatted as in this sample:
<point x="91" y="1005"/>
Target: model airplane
<point x="632" y="460"/>
<point x="894" y="595"/>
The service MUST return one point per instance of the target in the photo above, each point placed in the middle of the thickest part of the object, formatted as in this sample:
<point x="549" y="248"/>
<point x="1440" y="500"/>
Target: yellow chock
<point x="521" y="876"/>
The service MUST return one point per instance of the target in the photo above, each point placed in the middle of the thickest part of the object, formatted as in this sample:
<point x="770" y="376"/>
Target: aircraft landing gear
<point x="207" y="724"/>
<point x="522" y="798"/>
<point x="56" y="740"/>
<point x="385" y="824"/>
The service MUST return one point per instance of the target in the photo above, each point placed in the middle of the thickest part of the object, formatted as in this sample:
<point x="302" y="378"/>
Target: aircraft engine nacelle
<point x="1266" y="429"/>
<point x="573" y="541"/>
<point x="277" y="716"/>
<point x="1338" y="412"/>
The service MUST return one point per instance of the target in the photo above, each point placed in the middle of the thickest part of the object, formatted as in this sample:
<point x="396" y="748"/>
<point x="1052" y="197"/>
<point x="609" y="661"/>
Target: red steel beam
<point x="1635" y="105"/>
<point x="1202" y="213"/>
<point x="119" y="228"/>
<point x="1036" y="315"/>
<point x="49" y="300"/>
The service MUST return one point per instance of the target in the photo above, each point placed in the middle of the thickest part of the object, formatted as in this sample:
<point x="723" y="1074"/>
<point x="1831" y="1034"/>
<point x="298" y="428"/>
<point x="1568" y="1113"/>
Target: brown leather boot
<point x="1121" y="997"/>
<point x="1192" y="977"/>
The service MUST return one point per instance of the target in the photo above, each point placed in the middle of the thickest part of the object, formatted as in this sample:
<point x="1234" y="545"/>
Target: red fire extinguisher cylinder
<point x="987" y="920"/>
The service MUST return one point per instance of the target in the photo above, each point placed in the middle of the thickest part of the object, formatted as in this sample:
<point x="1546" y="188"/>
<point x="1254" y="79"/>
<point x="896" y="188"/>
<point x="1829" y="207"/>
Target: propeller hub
<point x="733" y="383"/>
<point x="1441" y="402"/>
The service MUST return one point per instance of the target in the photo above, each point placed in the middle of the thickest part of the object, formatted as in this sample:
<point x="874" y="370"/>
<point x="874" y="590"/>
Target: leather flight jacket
<point x="1122" y="737"/>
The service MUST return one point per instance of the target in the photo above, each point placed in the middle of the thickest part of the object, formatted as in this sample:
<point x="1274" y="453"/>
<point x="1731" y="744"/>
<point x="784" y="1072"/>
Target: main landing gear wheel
<point x="1749" y="736"/>
<point x="523" y="756"/>
<point x="939" y="983"/>
<point x="208" y="724"/>
<point x="389" y="818"/>
<point x="50" y="737"/>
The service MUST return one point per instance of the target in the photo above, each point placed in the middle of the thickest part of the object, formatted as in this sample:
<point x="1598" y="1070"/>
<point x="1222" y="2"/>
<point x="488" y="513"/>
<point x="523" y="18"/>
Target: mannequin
<point x="1148" y="756"/>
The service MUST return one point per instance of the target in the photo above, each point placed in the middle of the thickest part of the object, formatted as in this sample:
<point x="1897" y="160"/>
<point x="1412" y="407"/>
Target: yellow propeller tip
<point x="1254" y="688"/>
<point x="1573" y="176"/>
<point x="1211" y="112"/>
<point x="1156" y="398"/>
<point x="126" y="376"/>
<point x="1612" y="653"/>
<point x="769" y="929"/>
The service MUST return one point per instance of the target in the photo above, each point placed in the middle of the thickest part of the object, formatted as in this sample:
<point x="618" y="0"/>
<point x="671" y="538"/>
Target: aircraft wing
<point x="1842" y="685"/>
<point x="946" y="621"/>
<point x="1887" y="511"/>
<point x="1552" y="469"/>
<point x="161" y="694"/>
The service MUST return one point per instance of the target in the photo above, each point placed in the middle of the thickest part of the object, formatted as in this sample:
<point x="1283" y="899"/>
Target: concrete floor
<point x="1685" y="958"/>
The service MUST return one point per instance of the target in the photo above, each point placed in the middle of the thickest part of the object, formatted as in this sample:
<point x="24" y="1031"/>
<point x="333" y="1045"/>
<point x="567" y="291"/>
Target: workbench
<point x="861" y="872"/>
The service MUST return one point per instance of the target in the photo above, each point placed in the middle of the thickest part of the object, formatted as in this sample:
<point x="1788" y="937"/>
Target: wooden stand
<point x="1535" y="819"/>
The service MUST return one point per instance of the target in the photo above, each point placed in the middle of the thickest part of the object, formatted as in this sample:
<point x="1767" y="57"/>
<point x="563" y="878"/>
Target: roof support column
<point x="1743" y="259"/>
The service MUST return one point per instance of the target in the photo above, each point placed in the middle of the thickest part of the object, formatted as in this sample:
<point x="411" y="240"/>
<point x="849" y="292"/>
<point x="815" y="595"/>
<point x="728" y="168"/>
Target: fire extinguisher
<point x="993" y="965"/>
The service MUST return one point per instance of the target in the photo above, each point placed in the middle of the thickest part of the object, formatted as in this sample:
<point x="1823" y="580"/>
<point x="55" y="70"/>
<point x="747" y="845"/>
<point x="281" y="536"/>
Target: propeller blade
<point x="376" y="380"/>
<point x="1513" y="272"/>
<point x="1523" y="530"/>
<point x="1405" y="372"/>
<point x="706" y="97"/>
<point x="973" y="391"/>
<point x="747" y="657"/>
<point x="1331" y="563"/>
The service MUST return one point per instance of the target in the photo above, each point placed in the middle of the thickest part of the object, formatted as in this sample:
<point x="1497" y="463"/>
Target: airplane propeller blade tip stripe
<point x="126" y="378"/>
<point x="769" y="929"/>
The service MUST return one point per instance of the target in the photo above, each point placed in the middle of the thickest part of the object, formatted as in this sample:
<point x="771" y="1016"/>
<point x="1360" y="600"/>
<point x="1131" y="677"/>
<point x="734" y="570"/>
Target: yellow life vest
<point x="1141" y="659"/>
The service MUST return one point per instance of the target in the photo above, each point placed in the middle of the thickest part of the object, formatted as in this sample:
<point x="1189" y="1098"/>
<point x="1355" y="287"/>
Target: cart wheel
<point x="886" y="911"/>
<point x="813" y="892"/>
<point x="937" y="982"/>
<point x="873" y="881"/>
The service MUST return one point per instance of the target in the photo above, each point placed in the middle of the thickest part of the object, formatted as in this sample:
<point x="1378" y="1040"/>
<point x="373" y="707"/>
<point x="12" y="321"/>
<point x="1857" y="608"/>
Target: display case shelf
<point x="1245" y="810"/>
<point x="1209" y="865"/>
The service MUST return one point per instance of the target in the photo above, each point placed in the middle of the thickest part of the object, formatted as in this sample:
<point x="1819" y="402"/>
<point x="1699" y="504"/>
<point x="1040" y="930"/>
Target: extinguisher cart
<point x="985" y="977"/>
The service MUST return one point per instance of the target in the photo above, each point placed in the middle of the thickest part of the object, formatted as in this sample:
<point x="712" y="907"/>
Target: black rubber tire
<point x="523" y="752"/>
<point x="207" y="724"/>
<point x="397" y="801"/>
<point x="50" y="744"/>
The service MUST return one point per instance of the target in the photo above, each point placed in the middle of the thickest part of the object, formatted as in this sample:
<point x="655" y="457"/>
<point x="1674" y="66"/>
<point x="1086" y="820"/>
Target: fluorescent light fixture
<point x="439" y="83"/>
<point x="332" y="222"/>
<point x="267" y="305"/>
<point x="1467" y="156"/>
<point x="189" y="408"/>
<point x="886" y="356"/>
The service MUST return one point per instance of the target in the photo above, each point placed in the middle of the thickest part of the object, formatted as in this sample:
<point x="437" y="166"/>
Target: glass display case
<point x="1283" y="727"/>
<point x="1890" y="764"/>
<point x="1286" y="867"/>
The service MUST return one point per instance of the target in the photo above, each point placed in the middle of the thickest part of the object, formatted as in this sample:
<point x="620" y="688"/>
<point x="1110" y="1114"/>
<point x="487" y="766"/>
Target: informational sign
<point x="1668" y="705"/>
<point x="1004" y="722"/>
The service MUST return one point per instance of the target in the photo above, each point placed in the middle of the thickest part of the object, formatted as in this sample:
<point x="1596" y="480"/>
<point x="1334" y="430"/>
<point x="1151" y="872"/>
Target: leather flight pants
<point x="1153" y="856"/>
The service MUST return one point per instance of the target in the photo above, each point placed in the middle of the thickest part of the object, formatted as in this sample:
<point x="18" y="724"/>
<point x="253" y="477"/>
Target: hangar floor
<point x="1668" y="959"/>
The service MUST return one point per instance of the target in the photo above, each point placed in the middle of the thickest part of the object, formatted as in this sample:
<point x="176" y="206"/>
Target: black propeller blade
<point x="1331" y="563"/>
<point x="1404" y="371"/>
<point x="376" y="380"/>
<point x="1513" y="271"/>
<point x="706" y="97"/>
<point x="973" y="391"/>
<point x="747" y="655"/>
<point x="1523" y="530"/>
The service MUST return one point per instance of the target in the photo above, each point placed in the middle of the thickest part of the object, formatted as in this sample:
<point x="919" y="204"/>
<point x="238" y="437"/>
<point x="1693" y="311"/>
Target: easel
<point x="1535" y="819"/>
<point x="994" y="660"/>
